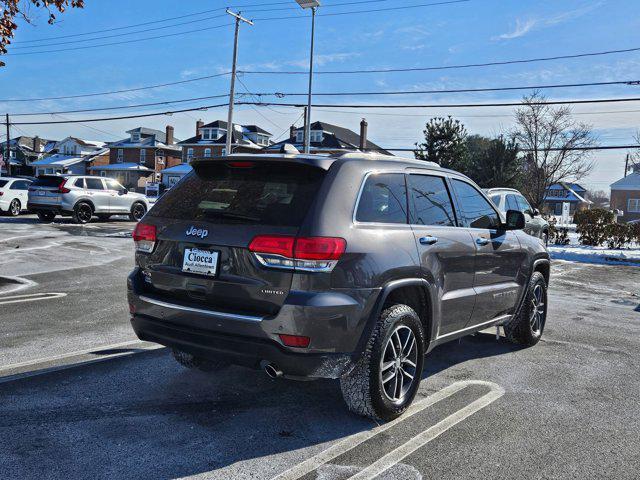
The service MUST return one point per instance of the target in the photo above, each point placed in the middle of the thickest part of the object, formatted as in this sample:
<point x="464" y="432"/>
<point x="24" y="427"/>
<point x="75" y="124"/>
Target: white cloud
<point x="324" y="59"/>
<point x="420" y="46"/>
<point x="521" y="29"/>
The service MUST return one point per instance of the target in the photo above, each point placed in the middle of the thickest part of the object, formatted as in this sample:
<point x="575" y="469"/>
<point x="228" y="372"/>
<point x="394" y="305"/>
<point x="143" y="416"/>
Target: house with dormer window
<point x="73" y="156"/>
<point x="140" y="157"/>
<point x="327" y="138"/>
<point x="210" y="140"/>
<point x="23" y="151"/>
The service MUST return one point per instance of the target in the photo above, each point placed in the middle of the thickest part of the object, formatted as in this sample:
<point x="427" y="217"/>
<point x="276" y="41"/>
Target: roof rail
<point x="381" y="156"/>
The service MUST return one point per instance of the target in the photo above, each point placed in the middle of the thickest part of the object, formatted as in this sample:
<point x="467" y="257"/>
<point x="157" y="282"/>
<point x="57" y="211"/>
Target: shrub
<point x="591" y="225"/>
<point x="618" y="234"/>
<point x="562" y="236"/>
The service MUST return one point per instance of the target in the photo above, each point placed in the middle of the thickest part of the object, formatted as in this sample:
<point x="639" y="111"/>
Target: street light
<point x="312" y="4"/>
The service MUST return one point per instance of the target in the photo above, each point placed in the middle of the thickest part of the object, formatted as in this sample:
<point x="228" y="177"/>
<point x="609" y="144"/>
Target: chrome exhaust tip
<point x="271" y="370"/>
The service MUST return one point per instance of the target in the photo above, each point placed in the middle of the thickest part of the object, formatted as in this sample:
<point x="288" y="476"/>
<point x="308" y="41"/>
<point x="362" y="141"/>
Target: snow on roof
<point x="58" y="160"/>
<point x="630" y="182"/>
<point x="181" y="168"/>
<point x="121" y="166"/>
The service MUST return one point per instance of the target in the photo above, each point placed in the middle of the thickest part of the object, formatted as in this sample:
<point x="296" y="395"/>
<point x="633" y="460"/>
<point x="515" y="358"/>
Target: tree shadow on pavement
<point x="144" y="416"/>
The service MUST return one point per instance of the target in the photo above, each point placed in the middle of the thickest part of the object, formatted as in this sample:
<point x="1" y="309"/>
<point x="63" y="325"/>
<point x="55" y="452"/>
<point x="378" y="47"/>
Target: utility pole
<point x="626" y="165"/>
<point x="7" y="151"/>
<point x="232" y="91"/>
<point x="304" y="130"/>
<point x="307" y="118"/>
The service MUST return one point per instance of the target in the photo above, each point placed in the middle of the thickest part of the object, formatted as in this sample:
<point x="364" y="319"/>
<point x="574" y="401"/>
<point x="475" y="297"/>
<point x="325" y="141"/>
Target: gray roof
<point x="335" y="138"/>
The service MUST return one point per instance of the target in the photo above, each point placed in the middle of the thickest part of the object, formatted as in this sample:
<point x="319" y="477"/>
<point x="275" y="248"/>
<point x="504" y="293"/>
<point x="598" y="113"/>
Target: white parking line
<point x="420" y="440"/>
<point x="32" y="297"/>
<point x="353" y="441"/>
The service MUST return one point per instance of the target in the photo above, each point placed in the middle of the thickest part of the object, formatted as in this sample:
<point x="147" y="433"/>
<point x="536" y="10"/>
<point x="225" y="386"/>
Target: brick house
<point x="138" y="159"/>
<point x="625" y="196"/>
<point x="23" y="151"/>
<point x="327" y="138"/>
<point x="210" y="140"/>
<point x="74" y="156"/>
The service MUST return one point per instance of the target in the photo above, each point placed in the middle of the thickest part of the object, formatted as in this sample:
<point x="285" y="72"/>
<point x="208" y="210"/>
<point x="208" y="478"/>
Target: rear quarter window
<point x="264" y="194"/>
<point x="383" y="199"/>
<point x="3" y="183"/>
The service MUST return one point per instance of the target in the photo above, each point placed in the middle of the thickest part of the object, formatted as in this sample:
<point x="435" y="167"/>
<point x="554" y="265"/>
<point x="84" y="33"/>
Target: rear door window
<point x="20" y="185"/>
<point x="512" y="203"/>
<point x="476" y="210"/>
<point x="263" y="194"/>
<point x="431" y="204"/>
<point x="93" y="184"/>
<point x="383" y="199"/>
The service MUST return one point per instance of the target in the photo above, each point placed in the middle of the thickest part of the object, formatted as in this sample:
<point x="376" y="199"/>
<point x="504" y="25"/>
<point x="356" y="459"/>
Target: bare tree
<point x="554" y="144"/>
<point x="633" y="164"/>
<point x="24" y="9"/>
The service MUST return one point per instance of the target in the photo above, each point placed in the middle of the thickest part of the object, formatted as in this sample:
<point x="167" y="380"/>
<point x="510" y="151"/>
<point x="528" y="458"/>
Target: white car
<point x="14" y="195"/>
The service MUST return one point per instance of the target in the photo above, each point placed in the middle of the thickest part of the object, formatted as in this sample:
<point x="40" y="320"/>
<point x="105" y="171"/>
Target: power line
<point x="551" y="149"/>
<point x="443" y="67"/>
<point x="113" y="92"/>
<point x="389" y="106"/>
<point x="119" y="43"/>
<point x="323" y="72"/>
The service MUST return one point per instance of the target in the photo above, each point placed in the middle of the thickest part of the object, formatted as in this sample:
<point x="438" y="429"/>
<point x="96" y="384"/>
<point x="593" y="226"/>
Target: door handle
<point x="482" y="241"/>
<point x="428" y="240"/>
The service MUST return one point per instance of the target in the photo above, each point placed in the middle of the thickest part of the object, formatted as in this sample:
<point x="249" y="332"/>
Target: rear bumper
<point x="334" y="321"/>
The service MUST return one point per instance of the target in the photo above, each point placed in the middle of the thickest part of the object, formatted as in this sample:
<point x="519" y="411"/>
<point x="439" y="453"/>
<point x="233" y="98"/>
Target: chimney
<point x="292" y="131"/>
<point x="363" y="135"/>
<point x="169" y="135"/>
<point x="37" y="144"/>
<point x="199" y="125"/>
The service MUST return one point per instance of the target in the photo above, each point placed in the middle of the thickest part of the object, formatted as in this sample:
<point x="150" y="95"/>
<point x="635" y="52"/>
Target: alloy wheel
<point x="537" y="316"/>
<point x="138" y="211"/>
<point x="398" y="364"/>
<point x="84" y="213"/>
<point x="14" y="208"/>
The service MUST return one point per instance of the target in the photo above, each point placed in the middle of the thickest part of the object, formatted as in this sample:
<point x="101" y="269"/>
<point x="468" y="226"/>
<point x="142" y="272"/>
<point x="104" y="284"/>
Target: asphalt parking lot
<point x="105" y="406"/>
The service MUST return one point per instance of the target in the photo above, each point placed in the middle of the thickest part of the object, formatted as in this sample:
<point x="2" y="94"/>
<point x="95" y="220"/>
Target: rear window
<point x="265" y="194"/>
<point x="48" y="181"/>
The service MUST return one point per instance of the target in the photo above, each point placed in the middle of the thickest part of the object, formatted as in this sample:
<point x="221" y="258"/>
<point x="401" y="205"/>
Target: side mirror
<point x="515" y="220"/>
<point x="124" y="191"/>
<point x="534" y="212"/>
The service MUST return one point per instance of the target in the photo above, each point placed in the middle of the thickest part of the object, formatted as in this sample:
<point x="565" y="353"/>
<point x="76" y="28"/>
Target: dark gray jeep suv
<point x="349" y="267"/>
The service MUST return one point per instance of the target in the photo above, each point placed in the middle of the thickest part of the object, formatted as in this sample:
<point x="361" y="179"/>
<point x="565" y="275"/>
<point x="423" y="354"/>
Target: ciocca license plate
<point x="204" y="262"/>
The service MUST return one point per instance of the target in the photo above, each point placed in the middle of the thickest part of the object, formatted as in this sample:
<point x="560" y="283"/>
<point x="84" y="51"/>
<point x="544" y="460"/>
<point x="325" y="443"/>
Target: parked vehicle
<point x="349" y="267"/>
<point x="511" y="199"/>
<point x="13" y="195"/>
<point x="82" y="197"/>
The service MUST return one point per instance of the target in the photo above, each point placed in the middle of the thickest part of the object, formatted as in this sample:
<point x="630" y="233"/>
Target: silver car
<point x="13" y="195"/>
<point x="82" y="197"/>
<point x="511" y="199"/>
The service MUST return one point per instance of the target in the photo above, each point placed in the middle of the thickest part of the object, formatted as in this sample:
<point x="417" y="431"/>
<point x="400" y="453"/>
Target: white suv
<point x="82" y="197"/>
<point x="13" y="195"/>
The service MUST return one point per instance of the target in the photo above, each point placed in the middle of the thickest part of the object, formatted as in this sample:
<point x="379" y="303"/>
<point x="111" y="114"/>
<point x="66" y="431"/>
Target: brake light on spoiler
<point x="145" y="237"/>
<point x="310" y="254"/>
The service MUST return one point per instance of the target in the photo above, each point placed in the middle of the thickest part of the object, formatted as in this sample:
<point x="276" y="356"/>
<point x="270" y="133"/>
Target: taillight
<point x="144" y="237"/>
<point x="240" y="164"/>
<point x="311" y="254"/>
<point x="1" y="193"/>
<point x="62" y="188"/>
<point x="295" y="340"/>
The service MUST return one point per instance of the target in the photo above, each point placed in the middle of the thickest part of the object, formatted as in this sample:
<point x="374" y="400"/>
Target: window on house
<point x="135" y="137"/>
<point x="143" y="156"/>
<point x="224" y="152"/>
<point x="206" y="134"/>
<point x="103" y="173"/>
<point x="633" y="205"/>
<point x="189" y="154"/>
<point x="316" y="136"/>
<point x="120" y="155"/>
<point x="207" y="152"/>
<point x="299" y="136"/>
<point x="12" y="153"/>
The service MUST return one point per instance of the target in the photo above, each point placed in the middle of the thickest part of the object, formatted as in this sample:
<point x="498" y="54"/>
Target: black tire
<point x="138" y="210"/>
<point x="196" y="363"/>
<point x="527" y="326"/>
<point x="82" y="213"/>
<point x="104" y="217"/>
<point x="15" y="207"/>
<point x="45" y="216"/>
<point x="363" y="388"/>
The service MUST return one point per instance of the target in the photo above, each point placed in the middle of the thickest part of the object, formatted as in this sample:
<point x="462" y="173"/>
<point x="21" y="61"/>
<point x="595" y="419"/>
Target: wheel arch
<point x="417" y="293"/>
<point x="85" y="200"/>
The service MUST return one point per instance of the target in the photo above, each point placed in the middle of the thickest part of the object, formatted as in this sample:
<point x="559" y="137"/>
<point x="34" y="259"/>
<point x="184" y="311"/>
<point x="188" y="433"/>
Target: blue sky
<point x="469" y="32"/>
